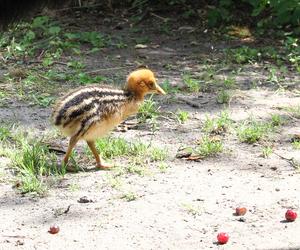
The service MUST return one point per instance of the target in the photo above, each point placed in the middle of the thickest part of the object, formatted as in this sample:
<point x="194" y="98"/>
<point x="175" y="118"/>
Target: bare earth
<point x="186" y="206"/>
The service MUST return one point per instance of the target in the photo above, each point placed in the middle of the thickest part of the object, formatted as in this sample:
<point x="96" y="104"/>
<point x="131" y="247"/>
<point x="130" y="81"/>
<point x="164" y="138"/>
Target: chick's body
<point x="91" y="112"/>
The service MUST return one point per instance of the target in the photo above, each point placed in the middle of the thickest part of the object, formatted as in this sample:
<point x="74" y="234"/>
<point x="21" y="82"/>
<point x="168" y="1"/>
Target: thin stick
<point x="159" y="17"/>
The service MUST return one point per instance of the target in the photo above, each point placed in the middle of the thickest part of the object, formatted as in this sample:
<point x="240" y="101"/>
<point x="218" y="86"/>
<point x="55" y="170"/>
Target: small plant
<point x="133" y="168"/>
<point x="229" y="83"/>
<point x="252" y="131"/>
<point x="192" y="209"/>
<point x="34" y="162"/>
<point x="294" y="111"/>
<point x="276" y="120"/>
<point x="243" y="54"/>
<point x="223" y="97"/>
<point x="217" y="125"/>
<point x="4" y="133"/>
<point x="267" y="151"/>
<point x="129" y="196"/>
<point x="148" y="110"/>
<point x="158" y="154"/>
<point x="192" y="84"/>
<point x="111" y="147"/>
<point x="162" y="166"/>
<point x="182" y="116"/>
<point x="168" y="87"/>
<point x="209" y="146"/>
<point x="296" y="144"/>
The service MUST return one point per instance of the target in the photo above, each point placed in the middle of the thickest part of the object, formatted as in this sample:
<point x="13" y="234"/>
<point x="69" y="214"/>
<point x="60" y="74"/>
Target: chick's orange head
<point x="142" y="82"/>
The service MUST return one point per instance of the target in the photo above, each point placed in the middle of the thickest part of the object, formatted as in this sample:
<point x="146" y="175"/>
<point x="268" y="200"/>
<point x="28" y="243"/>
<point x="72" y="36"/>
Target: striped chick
<point x="91" y="112"/>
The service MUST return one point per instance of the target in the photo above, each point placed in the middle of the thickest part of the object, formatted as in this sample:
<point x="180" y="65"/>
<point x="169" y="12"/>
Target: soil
<point x="186" y="206"/>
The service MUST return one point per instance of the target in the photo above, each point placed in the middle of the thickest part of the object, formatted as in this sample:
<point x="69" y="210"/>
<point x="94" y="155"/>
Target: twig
<point x="14" y="236"/>
<point x="68" y="209"/>
<point x="165" y="19"/>
<point x="291" y="161"/>
<point x="191" y="103"/>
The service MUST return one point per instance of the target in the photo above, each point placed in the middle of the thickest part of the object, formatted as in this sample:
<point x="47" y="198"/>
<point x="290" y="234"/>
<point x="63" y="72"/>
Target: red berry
<point x="290" y="215"/>
<point x="223" y="238"/>
<point x="240" y="211"/>
<point x="54" y="229"/>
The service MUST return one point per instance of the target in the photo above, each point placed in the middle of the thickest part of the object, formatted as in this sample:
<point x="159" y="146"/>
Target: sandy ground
<point x="183" y="208"/>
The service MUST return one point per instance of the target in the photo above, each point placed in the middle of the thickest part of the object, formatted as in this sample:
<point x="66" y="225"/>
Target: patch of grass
<point x="229" y="83"/>
<point x="115" y="182"/>
<point x="148" y="111"/>
<point x="243" y="54"/>
<point x="162" y="166"/>
<point x="182" y="116"/>
<point x="34" y="162"/>
<point x="252" y="131"/>
<point x="133" y="168"/>
<point x="276" y="120"/>
<point x="192" y="84"/>
<point x="166" y="85"/>
<point x="110" y="147"/>
<point x="158" y="154"/>
<point x="209" y="146"/>
<point x="5" y="133"/>
<point x="74" y="187"/>
<point x="296" y="144"/>
<point x="192" y="209"/>
<point x="217" y="125"/>
<point x="129" y="196"/>
<point x="223" y="96"/>
<point x="267" y="151"/>
<point x="43" y="100"/>
<point x="294" y="111"/>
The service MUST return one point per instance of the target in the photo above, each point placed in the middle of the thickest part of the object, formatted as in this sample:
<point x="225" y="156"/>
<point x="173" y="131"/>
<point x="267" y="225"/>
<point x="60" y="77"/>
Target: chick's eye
<point x="151" y="85"/>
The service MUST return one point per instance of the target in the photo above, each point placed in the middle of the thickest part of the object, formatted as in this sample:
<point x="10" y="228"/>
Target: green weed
<point x="148" y="111"/>
<point x="209" y="146"/>
<point x="267" y="151"/>
<point x="5" y="133"/>
<point x="296" y="144"/>
<point x="192" y="209"/>
<point x="294" y="111"/>
<point x="217" y="125"/>
<point x="223" y="97"/>
<point x="129" y="196"/>
<point x="192" y="84"/>
<point x="34" y="161"/>
<point x="253" y="131"/>
<point x="182" y="116"/>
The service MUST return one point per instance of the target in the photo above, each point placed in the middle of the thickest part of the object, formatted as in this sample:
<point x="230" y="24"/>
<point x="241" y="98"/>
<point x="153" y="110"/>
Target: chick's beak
<point x="159" y="90"/>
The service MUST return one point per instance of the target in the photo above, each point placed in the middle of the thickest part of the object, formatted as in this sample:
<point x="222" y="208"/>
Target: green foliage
<point x="148" y="111"/>
<point x="4" y="133"/>
<point x="217" y="125"/>
<point x="267" y="12"/>
<point x="252" y="131"/>
<point x="267" y="151"/>
<point x="34" y="162"/>
<point x="209" y="146"/>
<point x="27" y="39"/>
<point x="182" y="116"/>
<point x="192" y="84"/>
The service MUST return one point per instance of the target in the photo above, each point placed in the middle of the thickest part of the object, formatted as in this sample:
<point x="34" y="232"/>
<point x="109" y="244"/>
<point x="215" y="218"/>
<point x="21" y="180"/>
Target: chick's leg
<point x="99" y="161"/>
<point x="72" y="144"/>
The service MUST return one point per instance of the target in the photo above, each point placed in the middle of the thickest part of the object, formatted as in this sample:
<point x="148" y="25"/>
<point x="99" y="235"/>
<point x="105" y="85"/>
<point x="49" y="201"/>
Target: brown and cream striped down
<point x="82" y="108"/>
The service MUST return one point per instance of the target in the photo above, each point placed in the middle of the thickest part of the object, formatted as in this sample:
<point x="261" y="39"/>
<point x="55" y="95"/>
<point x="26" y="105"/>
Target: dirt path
<point x="187" y="204"/>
